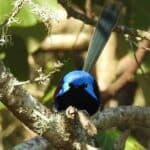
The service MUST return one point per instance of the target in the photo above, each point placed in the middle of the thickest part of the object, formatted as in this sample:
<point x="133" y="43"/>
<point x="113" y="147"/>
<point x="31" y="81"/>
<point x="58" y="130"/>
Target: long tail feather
<point x="106" y="22"/>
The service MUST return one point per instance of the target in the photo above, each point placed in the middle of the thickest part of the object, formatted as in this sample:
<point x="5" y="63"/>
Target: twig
<point x="128" y="72"/>
<point x="17" y="7"/>
<point x="119" y="28"/>
<point x="42" y="78"/>
<point x="132" y="48"/>
<point x="133" y="32"/>
<point x="88" y="8"/>
<point x="73" y="13"/>
<point x="46" y="14"/>
<point x="4" y="38"/>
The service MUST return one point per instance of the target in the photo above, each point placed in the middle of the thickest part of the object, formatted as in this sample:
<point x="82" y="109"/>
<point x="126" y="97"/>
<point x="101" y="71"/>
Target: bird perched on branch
<point x="78" y="88"/>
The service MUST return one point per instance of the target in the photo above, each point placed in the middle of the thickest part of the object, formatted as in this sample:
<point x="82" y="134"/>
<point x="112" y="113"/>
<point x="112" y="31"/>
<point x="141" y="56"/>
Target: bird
<point x="79" y="88"/>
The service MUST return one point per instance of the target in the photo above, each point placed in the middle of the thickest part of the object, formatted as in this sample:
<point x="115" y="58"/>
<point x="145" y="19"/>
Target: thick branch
<point x="56" y="128"/>
<point x="132" y="116"/>
<point x="66" y="42"/>
<point x="37" y="143"/>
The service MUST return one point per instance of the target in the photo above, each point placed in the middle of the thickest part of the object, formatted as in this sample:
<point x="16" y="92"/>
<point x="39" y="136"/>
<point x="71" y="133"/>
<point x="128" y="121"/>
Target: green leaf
<point x="107" y="139"/>
<point x="5" y="9"/>
<point x="133" y="144"/>
<point x="26" y="17"/>
<point x="49" y="3"/>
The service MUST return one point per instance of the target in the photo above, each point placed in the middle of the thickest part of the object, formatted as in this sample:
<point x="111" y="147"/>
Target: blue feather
<point x="77" y="79"/>
<point x="79" y="89"/>
<point x="106" y="23"/>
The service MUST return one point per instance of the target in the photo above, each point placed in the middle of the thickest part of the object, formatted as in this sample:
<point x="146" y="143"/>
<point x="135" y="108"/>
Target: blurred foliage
<point x="5" y="9"/>
<point x="20" y="56"/>
<point x="107" y="139"/>
<point x="68" y="65"/>
<point x="25" y="38"/>
<point x="137" y="13"/>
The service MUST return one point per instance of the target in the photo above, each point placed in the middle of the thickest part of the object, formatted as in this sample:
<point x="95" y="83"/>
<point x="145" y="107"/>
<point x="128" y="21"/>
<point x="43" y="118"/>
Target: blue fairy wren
<point x="78" y="88"/>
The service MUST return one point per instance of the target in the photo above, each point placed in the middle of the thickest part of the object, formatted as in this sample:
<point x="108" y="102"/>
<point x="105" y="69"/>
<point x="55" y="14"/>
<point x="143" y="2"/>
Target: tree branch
<point x="132" y="116"/>
<point x="88" y="8"/>
<point x="32" y="113"/>
<point x="56" y="128"/>
<point x="65" y="42"/>
<point x="36" y="143"/>
<point x="130" y="67"/>
<point x="11" y="19"/>
<point x="119" y="28"/>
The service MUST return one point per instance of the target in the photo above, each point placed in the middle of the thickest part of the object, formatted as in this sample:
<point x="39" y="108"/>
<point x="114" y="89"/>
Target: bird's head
<point x="77" y="79"/>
